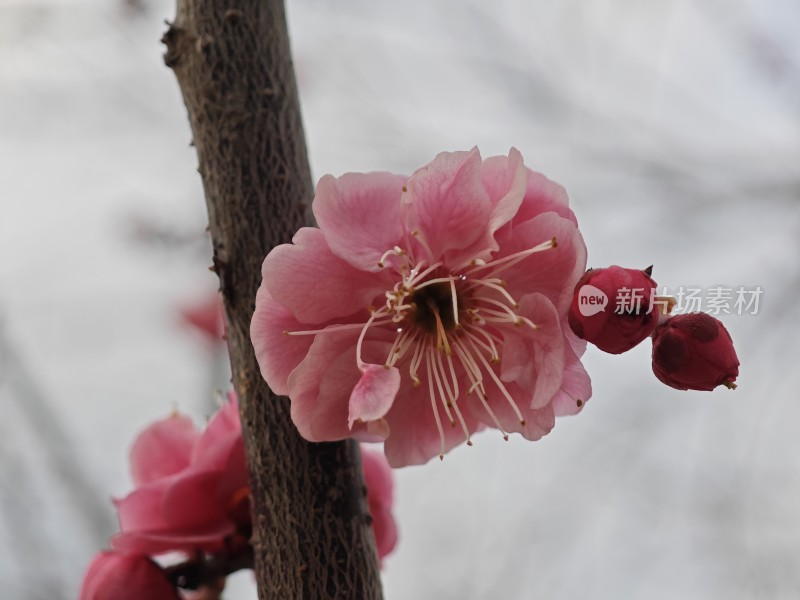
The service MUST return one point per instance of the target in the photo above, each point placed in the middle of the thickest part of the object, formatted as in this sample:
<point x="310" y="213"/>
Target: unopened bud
<point x="613" y="308"/>
<point x="694" y="352"/>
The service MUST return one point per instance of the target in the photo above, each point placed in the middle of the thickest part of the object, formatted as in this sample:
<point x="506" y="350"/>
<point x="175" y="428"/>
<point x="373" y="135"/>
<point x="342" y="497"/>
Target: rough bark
<point x="312" y="535"/>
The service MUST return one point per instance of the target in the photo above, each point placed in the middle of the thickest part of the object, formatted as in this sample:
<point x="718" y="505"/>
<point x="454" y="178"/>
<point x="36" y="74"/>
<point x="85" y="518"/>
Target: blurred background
<point x="675" y="127"/>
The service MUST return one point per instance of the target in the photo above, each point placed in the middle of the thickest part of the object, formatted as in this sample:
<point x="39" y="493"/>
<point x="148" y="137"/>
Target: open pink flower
<point x="192" y="489"/>
<point x="113" y="576"/>
<point x="426" y="308"/>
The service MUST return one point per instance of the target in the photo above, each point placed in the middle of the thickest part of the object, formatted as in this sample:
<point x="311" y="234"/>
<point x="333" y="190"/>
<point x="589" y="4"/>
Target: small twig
<point x="209" y="570"/>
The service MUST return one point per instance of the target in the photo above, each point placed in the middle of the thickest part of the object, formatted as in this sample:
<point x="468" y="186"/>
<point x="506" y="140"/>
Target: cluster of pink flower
<point x="690" y="351"/>
<point x="426" y="308"/>
<point x="422" y="310"/>
<point x="192" y="497"/>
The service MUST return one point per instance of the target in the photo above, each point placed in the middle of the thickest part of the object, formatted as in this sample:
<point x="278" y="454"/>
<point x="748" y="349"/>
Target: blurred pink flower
<point x="113" y="576"/>
<point x="426" y="308"/>
<point x="192" y="490"/>
<point x="207" y="317"/>
<point x="380" y="497"/>
<point x="193" y="494"/>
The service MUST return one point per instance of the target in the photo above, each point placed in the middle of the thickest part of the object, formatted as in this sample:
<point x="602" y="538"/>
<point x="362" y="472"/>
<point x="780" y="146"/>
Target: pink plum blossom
<point x="426" y="308"/>
<point x="114" y="576"/>
<point x="192" y="490"/>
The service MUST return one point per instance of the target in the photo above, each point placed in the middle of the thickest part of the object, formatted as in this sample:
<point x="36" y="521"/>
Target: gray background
<point x="675" y="127"/>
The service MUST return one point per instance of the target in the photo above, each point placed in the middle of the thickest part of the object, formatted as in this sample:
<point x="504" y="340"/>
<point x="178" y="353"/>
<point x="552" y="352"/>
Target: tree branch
<point x="232" y="59"/>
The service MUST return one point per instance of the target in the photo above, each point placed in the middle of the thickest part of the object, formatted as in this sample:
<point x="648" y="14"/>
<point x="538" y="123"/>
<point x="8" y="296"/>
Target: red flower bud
<point x="113" y="576"/>
<point x="613" y="308"/>
<point x="694" y="352"/>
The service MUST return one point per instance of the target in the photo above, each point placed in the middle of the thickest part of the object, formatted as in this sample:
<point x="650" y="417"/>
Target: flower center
<point x="434" y="307"/>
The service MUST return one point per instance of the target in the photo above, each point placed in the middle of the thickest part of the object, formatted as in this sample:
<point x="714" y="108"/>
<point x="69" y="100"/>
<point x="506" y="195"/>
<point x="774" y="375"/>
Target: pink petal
<point x="178" y="502"/>
<point x="543" y="195"/>
<point x="385" y="528"/>
<point x="377" y="476"/>
<point x="235" y="477"/>
<point x="142" y="509"/>
<point x="223" y="423"/>
<point x="414" y="437"/>
<point x="209" y="537"/>
<point x="194" y="500"/>
<point x="374" y="394"/>
<point x="504" y="179"/>
<point x="534" y="359"/>
<point x="278" y="354"/>
<point x="360" y="215"/>
<point x="114" y="576"/>
<point x="576" y="386"/>
<point x="221" y="435"/>
<point x="577" y="345"/>
<point x="321" y="386"/>
<point x="207" y="317"/>
<point x="448" y="205"/>
<point x="164" y="448"/>
<point x="376" y="431"/>
<point x="316" y="285"/>
<point x="380" y="488"/>
<point x="538" y="421"/>
<point x="553" y="272"/>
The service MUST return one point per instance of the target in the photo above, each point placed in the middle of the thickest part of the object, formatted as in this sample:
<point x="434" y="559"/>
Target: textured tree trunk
<point x="312" y="534"/>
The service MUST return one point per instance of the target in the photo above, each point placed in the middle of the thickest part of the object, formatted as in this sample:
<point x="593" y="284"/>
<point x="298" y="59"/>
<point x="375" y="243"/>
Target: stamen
<point x="396" y="251"/>
<point x="419" y="276"/>
<point x="493" y="284"/>
<point x="454" y="379"/>
<point x="452" y="393"/>
<point x="473" y="372"/>
<point x="463" y="423"/>
<point x="399" y="339"/>
<point x="455" y="301"/>
<point x="499" y="384"/>
<point x="496" y="316"/>
<point x="436" y="413"/>
<point x="415" y="362"/>
<point x="451" y="398"/>
<point x="489" y="346"/>
<point x="402" y="347"/>
<point x="475" y="316"/>
<point x="512" y="259"/>
<point x="441" y="334"/>
<point x="335" y="328"/>
<point x="421" y="240"/>
<point x="433" y="281"/>
<point x="494" y="302"/>
<point x="361" y="364"/>
<point x="432" y="368"/>
<point x="484" y="331"/>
